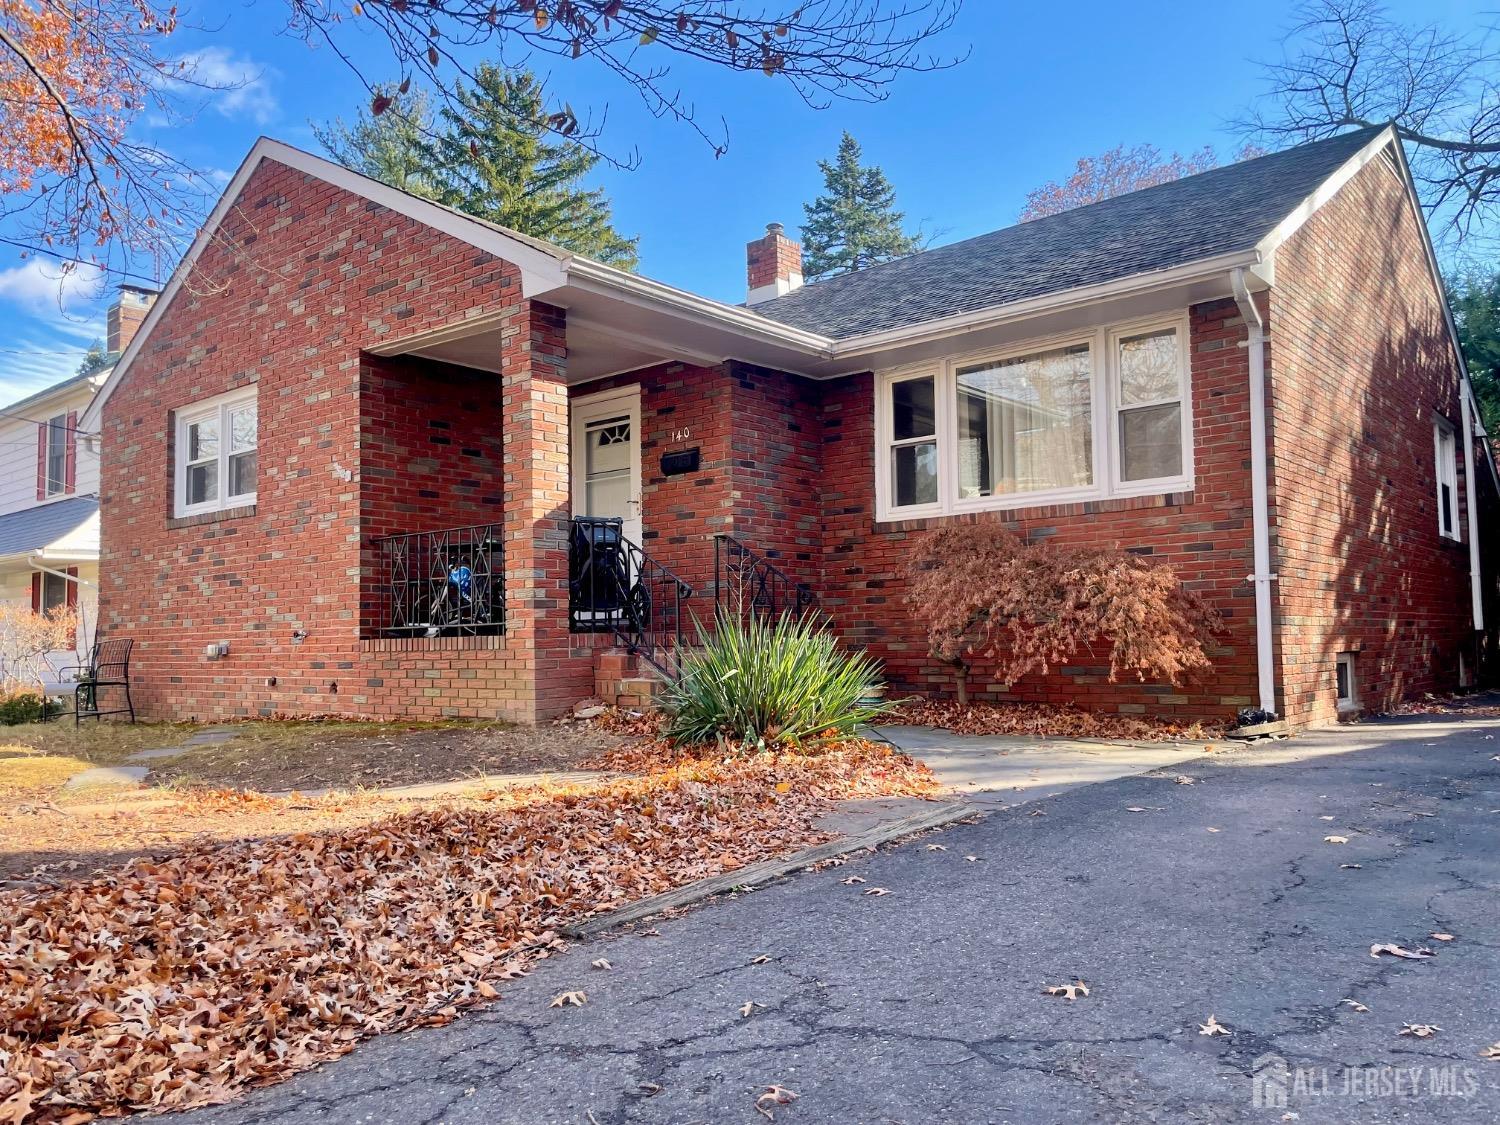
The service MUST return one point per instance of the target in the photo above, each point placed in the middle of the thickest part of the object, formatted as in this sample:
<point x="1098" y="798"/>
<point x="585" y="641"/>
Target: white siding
<point x="18" y="446"/>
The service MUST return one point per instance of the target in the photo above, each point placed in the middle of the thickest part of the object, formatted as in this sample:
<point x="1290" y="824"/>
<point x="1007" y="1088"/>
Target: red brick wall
<point x="777" y="471"/>
<point x="1204" y="534"/>
<point x="1360" y="363"/>
<point x="304" y="276"/>
<point x="682" y="407"/>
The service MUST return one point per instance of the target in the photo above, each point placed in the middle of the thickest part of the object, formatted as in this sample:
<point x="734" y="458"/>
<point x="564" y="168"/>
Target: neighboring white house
<point x="49" y="487"/>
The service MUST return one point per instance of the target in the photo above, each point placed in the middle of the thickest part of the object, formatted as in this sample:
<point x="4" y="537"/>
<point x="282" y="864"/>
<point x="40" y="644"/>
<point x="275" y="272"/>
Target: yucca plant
<point x="760" y="684"/>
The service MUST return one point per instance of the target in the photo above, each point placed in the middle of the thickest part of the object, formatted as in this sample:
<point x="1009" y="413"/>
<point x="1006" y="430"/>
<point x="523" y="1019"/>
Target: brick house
<point x="344" y="457"/>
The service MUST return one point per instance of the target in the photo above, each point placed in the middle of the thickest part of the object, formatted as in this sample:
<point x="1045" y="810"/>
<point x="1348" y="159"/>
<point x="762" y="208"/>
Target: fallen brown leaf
<point x="1067" y="991"/>
<point x="877" y="891"/>
<point x="1355" y="1004"/>
<point x="1396" y="951"/>
<point x="773" y="1096"/>
<point x="1490" y="1052"/>
<point x="1419" y="1030"/>
<point x="1335" y="839"/>
<point x="1441" y="937"/>
<point x="748" y="1007"/>
<point x="564" y="999"/>
<point x="600" y="963"/>
<point x="1212" y="1027"/>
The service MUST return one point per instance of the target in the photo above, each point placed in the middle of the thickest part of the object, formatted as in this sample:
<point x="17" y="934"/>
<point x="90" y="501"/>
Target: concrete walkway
<point x="1000" y="770"/>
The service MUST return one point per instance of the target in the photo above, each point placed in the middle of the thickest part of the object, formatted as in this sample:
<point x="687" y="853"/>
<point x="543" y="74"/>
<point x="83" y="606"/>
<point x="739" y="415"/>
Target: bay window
<point x="217" y="458"/>
<point x="1100" y="414"/>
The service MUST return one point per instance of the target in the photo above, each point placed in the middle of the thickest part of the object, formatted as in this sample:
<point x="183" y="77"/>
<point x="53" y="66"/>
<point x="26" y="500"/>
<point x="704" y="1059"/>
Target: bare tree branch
<point x="1347" y="64"/>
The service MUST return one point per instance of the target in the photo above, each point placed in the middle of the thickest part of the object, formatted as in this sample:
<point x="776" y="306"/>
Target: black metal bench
<point x="108" y="667"/>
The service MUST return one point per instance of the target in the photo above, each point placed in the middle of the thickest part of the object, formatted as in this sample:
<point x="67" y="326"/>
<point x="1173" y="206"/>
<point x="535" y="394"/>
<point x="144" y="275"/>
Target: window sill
<point x="1062" y="507"/>
<point x="198" y="519"/>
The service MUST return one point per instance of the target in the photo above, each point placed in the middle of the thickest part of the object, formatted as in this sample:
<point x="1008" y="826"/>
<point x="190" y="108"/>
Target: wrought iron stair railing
<point x="615" y="587"/>
<point x="439" y="584"/>
<point x="747" y="584"/>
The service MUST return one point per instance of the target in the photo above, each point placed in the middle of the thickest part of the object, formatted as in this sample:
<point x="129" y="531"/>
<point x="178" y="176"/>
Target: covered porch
<point x="523" y="495"/>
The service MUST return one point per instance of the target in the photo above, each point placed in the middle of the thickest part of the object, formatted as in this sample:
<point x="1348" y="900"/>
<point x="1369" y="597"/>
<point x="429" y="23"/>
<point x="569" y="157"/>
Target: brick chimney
<point x="773" y="265"/>
<point x="126" y="315"/>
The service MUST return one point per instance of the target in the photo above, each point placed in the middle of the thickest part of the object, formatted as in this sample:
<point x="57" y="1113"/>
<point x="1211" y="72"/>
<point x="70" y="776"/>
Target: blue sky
<point x="1043" y="85"/>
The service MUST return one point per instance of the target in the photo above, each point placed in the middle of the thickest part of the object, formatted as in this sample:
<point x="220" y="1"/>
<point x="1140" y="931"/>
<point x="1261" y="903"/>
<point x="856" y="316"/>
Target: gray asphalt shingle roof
<point x="1217" y="212"/>
<point x="31" y="529"/>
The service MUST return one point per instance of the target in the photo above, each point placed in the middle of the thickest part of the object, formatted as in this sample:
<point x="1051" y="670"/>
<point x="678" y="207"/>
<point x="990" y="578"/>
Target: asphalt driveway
<point x="1173" y="901"/>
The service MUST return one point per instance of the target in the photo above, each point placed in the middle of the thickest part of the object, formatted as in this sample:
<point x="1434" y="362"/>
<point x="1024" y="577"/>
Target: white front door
<point x="606" y="457"/>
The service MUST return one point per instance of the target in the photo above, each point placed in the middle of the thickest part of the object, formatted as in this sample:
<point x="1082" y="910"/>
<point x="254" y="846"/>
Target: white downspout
<point x="1476" y="587"/>
<point x="1260" y="505"/>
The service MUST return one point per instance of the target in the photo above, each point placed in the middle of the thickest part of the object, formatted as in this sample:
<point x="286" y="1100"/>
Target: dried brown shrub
<point x="983" y="592"/>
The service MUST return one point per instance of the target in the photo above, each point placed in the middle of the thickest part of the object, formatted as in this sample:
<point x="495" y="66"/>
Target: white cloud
<point x="52" y="316"/>
<point x="40" y="286"/>
<point x="238" y="87"/>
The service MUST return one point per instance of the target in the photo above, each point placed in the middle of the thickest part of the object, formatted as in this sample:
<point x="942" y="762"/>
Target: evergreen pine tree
<point x="494" y="157"/>
<point x="489" y="154"/>
<point x="855" y="223"/>
<point x="387" y="148"/>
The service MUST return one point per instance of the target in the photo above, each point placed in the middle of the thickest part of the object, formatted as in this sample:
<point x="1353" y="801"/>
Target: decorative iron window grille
<point x="448" y="583"/>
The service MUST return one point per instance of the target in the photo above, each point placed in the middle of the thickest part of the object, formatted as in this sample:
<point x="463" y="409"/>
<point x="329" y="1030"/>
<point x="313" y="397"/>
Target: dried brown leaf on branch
<point x="1025" y="608"/>
<point x="182" y="980"/>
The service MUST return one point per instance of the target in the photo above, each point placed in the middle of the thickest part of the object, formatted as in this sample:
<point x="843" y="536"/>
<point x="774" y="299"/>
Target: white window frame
<point x="1445" y="471"/>
<point x="1150" y="486"/>
<point x="1103" y="404"/>
<point x="885" y="442"/>
<point x="56" y="425"/>
<point x="218" y="408"/>
<point x="1348" y="702"/>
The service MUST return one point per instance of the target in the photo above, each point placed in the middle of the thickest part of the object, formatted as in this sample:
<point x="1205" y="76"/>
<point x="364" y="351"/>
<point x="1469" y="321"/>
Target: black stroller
<point x="605" y="592"/>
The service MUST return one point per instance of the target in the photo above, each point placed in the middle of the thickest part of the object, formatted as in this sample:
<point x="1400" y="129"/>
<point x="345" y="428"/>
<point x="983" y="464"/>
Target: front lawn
<point x="332" y="773"/>
<point x="181" y="980"/>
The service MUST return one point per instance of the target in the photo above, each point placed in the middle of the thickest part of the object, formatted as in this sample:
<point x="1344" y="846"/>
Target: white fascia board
<point x="541" y="269"/>
<point x="1205" y="268"/>
<point x="1327" y="190"/>
<point x="594" y="277"/>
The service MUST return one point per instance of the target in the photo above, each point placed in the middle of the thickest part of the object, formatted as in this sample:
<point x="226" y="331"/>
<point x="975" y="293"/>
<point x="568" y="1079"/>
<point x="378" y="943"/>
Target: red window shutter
<point x="72" y="587"/>
<point x="41" y="461"/>
<point x="36" y="592"/>
<point x="70" y="473"/>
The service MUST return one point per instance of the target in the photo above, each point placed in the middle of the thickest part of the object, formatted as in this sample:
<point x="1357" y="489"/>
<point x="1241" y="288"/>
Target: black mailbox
<point x="682" y="461"/>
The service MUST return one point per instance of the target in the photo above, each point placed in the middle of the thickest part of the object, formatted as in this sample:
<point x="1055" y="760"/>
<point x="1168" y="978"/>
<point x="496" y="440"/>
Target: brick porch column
<point x="534" y="414"/>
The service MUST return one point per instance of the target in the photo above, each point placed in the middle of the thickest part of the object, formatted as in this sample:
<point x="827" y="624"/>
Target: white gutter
<point x="37" y="564"/>
<point x="993" y="316"/>
<point x="1476" y="589"/>
<point x="1260" y="507"/>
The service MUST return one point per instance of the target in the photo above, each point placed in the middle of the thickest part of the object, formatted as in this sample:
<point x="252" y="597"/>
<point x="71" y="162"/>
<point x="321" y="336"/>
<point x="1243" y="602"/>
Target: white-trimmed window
<point x="1150" y="385"/>
<point x="910" y="423"/>
<point x="1101" y="413"/>
<point x="1346" y="687"/>
<point x="1445" y="450"/>
<point x="216" y="454"/>
<point x="58" y="436"/>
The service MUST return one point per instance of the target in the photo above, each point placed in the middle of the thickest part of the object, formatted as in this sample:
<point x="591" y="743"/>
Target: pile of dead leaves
<point x="636" y="724"/>
<point x="839" y="770"/>
<point x="1049" y="721"/>
<point x="180" y="981"/>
